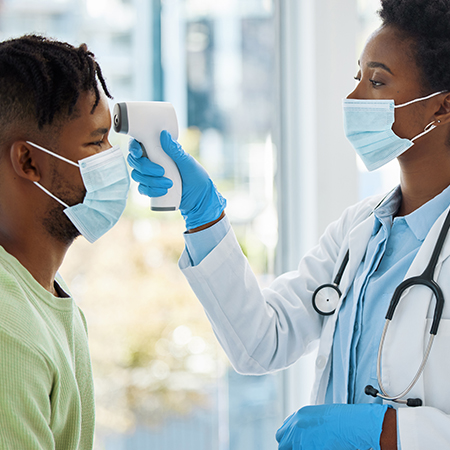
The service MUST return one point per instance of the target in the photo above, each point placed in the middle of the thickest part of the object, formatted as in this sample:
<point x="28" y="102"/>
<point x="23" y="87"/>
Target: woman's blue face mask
<point x="368" y="127"/>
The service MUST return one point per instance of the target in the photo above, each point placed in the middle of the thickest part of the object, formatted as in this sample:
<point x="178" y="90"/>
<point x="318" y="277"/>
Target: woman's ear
<point x="443" y="115"/>
<point x="23" y="160"/>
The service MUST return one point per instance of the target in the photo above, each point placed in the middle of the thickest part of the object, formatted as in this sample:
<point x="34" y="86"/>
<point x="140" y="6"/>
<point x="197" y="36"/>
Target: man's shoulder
<point x="19" y="316"/>
<point x="12" y="288"/>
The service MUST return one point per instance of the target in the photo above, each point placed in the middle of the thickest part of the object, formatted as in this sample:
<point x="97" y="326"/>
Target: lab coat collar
<point x="419" y="221"/>
<point x="390" y="203"/>
<point x="386" y="210"/>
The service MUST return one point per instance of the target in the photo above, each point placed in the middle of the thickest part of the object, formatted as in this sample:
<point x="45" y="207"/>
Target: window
<point x="161" y="379"/>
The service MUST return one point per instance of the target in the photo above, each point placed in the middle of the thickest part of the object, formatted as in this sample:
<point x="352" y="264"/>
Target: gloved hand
<point x="333" y="427"/>
<point x="201" y="203"/>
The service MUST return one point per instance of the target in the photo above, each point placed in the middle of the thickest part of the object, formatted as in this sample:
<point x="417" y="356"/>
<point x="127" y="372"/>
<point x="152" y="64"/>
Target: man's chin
<point x="59" y="227"/>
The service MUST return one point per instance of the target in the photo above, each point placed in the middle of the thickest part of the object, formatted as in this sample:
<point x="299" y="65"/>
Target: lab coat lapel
<point x="358" y="240"/>
<point x="408" y="332"/>
<point x="357" y="243"/>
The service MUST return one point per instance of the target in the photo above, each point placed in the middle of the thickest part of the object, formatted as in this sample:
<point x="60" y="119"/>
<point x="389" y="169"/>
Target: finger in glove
<point x="145" y="166"/>
<point x="153" y="182"/>
<point x="135" y="148"/>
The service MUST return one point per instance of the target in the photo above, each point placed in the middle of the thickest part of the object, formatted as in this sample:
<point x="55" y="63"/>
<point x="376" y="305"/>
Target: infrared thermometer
<point x="144" y="121"/>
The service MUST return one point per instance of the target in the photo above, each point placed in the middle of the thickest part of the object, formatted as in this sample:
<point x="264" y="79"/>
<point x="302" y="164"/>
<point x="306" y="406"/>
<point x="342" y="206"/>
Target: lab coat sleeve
<point x="423" y="428"/>
<point x="200" y="244"/>
<point x="264" y="330"/>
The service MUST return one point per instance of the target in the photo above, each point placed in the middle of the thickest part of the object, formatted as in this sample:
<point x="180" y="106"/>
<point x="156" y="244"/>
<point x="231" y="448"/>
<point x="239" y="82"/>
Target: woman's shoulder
<point x="355" y="214"/>
<point x="361" y="210"/>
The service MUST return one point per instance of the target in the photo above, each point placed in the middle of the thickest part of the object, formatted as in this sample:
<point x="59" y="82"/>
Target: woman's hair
<point x="427" y="23"/>
<point x="41" y="80"/>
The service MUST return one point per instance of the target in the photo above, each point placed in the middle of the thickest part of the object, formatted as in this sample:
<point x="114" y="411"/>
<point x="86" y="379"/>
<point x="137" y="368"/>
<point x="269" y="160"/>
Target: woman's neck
<point x="423" y="175"/>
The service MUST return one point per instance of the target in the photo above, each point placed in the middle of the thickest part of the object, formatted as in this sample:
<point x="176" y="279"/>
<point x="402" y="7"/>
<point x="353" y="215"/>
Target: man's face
<point x="82" y="136"/>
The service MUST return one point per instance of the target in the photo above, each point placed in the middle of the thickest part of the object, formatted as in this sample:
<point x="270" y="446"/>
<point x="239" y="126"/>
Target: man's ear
<point x="23" y="160"/>
<point x="443" y="115"/>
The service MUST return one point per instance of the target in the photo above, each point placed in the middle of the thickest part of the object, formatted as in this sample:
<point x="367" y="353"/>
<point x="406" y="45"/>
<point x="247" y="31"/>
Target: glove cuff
<point x="369" y="425"/>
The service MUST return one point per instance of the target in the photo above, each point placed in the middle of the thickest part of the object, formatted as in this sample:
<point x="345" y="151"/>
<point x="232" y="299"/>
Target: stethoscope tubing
<point x="397" y="398"/>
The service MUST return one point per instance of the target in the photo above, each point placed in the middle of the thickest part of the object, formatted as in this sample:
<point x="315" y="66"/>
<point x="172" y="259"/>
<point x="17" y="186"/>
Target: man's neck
<point x="41" y="256"/>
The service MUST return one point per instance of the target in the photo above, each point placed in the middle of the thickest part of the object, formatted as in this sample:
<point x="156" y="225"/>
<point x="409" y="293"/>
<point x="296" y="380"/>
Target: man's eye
<point x="100" y="142"/>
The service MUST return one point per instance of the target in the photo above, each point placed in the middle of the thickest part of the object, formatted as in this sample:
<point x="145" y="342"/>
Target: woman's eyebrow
<point x="375" y="65"/>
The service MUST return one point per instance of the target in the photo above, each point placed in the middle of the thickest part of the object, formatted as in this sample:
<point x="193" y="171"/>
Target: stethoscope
<point x="326" y="299"/>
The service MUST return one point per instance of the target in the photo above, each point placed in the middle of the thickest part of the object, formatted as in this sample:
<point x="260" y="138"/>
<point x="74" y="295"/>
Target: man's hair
<point x="427" y="23"/>
<point x="41" y="80"/>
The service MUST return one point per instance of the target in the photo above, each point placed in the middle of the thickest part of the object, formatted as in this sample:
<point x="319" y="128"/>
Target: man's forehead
<point x="88" y="122"/>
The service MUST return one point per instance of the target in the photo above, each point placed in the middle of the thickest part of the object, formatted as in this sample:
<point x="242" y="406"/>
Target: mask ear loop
<point x="426" y="130"/>
<point x="421" y="99"/>
<point x="51" y="195"/>
<point x="56" y="156"/>
<point x="53" y="154"/>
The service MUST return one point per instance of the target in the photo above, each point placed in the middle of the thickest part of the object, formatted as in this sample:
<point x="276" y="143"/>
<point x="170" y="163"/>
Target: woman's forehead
<point x="388" y="48"/>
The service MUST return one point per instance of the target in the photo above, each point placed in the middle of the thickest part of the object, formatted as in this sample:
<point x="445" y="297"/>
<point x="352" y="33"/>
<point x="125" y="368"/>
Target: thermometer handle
<point x="144" y="121"/>
<point x="171" y="200"/>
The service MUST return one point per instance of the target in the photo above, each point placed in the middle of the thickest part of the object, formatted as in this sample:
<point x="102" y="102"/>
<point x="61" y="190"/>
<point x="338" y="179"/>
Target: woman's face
<point x="388" y="71"/>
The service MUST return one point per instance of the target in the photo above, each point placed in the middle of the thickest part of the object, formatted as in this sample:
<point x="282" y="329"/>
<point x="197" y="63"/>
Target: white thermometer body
<point x="144" y="121"/>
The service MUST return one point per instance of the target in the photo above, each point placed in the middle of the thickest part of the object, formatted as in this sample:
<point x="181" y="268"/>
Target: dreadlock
<point x="41" y="79"/>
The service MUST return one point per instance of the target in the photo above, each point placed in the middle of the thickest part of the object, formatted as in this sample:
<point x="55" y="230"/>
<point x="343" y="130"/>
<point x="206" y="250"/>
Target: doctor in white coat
<point x="400" y="109"/>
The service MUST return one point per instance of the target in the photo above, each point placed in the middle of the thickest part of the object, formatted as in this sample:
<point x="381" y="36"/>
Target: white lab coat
<point x="266" y="330"/>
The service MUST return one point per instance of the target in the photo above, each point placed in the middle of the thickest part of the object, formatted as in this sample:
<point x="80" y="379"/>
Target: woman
<point x="407" y="63"/>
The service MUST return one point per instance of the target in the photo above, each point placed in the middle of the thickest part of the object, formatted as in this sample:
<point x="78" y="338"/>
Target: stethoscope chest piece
<point x="326" y="299"/>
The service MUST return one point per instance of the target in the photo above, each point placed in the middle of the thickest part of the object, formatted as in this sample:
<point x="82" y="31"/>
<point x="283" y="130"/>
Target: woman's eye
<point x="372" y="81"/>
<point x="376" y="83"/>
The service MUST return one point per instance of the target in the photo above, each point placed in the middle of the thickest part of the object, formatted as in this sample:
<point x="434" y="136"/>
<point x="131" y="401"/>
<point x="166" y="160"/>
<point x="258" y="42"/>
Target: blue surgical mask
<point x="368" y="127"/>
<point x="106" y="179"/>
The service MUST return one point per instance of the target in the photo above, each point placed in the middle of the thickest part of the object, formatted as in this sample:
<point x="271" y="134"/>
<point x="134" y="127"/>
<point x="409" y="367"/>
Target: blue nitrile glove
<point x="201" y="203"/>
<point x="333" y="427"/>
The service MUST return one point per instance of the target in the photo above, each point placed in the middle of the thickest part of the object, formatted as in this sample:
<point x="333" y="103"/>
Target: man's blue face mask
<point x="106" y="179"/>
<point x="368" y="127"/>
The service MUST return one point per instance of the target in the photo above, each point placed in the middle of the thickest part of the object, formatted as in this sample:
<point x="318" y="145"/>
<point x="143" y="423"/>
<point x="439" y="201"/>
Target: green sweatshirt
<point x="46" y="387"/>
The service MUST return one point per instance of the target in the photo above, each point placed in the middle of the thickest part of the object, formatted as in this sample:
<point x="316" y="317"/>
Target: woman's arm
<point x="388" y="439"/>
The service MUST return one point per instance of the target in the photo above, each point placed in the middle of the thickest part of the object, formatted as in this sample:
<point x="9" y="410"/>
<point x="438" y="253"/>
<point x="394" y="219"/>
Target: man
<point x="56" y="167"/>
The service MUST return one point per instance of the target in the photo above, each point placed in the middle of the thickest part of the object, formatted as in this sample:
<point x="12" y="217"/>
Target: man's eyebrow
<point x="375" y="65"/>
<point x="99" y="131"/>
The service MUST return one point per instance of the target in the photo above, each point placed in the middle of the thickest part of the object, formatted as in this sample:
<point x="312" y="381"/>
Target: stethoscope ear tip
<point x="414" y="402"/>
<point x="370" y="390"/>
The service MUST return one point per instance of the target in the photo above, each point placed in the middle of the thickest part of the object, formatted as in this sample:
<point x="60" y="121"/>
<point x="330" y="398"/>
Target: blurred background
<point x="257" y="85"/>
